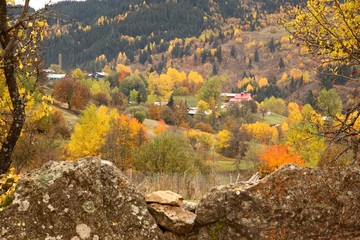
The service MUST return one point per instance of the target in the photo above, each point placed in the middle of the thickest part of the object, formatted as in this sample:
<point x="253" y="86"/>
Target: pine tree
<point x="281" y="63"/>
<point x="233" y="52"/>
<point x="271" y="45"/>
<point x="214" y="69"/>
<point x="218" y="54"/>
<point x="256" y="55"/>
<point x="203" y="57"/>
<point x="292" y="86"/>
<point x="170" y="103"/>
<point x="310" y="99"/>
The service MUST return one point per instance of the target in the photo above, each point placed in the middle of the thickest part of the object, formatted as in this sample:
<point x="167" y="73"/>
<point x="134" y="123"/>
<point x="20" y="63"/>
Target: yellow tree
<point x="195" y="81"/>
<point x="89" y="134"/>
<point x="161" y="86"/>
<point x="123" y="71"/>
<point x="126" y="135"/>
<point x="19" y="39"/>
<point x="303" y="135"/>
<point x="329" y="29"/>
<point x="77" y="74"/>
<point x="223" y="140"/>
<point x="177" y="77"/>
<point x="263" y="82"/>
<point x="260" y="131"/>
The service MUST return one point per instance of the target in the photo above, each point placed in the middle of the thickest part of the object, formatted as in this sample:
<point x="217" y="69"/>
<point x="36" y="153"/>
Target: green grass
<point x="273" y="119"/>
<point x="223" y="164"/>
<point x="190" y="99"/>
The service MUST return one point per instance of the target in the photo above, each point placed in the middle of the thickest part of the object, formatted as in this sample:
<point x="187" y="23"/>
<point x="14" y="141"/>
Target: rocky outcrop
<point x="291" y="203"/>
<point x="165" y="197"/>
<point x="169" y="213"/>
<point x="91" y="199"/>
<point x="174" y="219"/>
<point x="86" y="199"/>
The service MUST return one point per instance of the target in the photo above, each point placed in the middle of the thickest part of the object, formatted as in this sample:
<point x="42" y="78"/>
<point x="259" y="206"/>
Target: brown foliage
<point x="205" y="127"/>
<point x="71" y="92"/>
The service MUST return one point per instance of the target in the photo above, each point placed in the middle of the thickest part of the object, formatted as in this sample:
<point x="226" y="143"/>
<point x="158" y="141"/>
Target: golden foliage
<point x="262" y="132"/>
<point x="8" y="184"/>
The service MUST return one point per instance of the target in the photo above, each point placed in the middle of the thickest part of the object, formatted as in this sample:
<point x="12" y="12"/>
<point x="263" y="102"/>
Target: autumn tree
<point x="126" y="135"/>
<point x="330" y="30"/>
<point x="262" y="132"/>
<point x="212" y="89"/>
<point x="274" y="156"/>
<point x="160" y="87"/>
<point x="223" y="138"/>
<point x="202" y="142"/>
<point x="329" y="102"/>
<point x="20" y="35"/>
<point x="195" y="81"/>
<point x="77" y="74"/>
<point x="160" y="127"/>
<point x="89" y="134"/>
<point x="303" y="134"/>
<point x="72" y="92"/>
<point x="134" y="82"/>
<point x="276" y="105"/>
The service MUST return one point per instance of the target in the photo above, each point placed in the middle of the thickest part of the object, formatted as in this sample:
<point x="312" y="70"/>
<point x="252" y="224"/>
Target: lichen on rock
<point x="86" y="199"/>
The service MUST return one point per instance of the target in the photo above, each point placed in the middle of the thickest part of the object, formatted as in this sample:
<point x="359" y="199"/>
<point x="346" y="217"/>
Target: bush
<point x="168" y="153"/>
<point x="140" y="116"/>
<point x="181" y="91"/>
<point x="204" y="127"/>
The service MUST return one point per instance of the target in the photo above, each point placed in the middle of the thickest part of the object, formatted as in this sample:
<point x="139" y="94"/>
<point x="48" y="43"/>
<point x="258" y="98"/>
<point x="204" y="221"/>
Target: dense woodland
<point x="94" y="28"/>
<point x="160" y="60"/>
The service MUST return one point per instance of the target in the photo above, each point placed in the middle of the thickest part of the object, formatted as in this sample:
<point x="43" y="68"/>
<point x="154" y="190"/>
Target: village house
<point x="244" y="96"/>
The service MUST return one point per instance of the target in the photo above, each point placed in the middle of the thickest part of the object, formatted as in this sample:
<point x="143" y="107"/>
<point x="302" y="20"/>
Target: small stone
<point x="83" y="230"/>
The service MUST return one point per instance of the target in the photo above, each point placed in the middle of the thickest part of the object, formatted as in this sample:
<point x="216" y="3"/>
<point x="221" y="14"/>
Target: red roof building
<point x="244" y="96"/>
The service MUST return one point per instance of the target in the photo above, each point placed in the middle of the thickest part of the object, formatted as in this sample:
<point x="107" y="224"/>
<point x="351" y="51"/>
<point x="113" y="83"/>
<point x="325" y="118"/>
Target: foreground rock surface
<point x="87" y="199"/>
<point x="291" y="203"/>
<point x="174" y="219"/>
<point x="165" y="197"/>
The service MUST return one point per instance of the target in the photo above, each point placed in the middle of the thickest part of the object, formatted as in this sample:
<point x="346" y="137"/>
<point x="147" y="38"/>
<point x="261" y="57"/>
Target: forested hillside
<point x="86" y="30"/>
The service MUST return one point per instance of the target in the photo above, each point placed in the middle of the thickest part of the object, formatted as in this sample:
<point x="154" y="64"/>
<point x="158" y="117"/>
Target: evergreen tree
<point x="271" y="45"/>
<point x="233" y="52"/>
<point x="143" y="57"/>
<point x="214" y="70"/>
<point x="310" y="99"/>
<point x="301" y="81"/>
<point x="256" y="55"/>
<point x="170" y="103"/>
<point x="218" y="54"/>
<point x="326" y="82"/>
<point x="292" y="87"/>
<point x="281" y="63"/>
<point x="203" y="57"/>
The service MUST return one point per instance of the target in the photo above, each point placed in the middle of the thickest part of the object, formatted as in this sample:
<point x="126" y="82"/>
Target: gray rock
<point x="190" y="206"/>
<point x="86" y="199"/>
<point x="291" y="203"/>
<point x="165" y="197"/>
<point x="175" y="219"/>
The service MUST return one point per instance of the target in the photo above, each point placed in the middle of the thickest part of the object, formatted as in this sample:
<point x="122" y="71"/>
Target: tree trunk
<point x="18" y="116"/>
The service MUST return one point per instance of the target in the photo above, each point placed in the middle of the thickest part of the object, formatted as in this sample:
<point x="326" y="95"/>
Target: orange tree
<point x="277" y="155"/>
